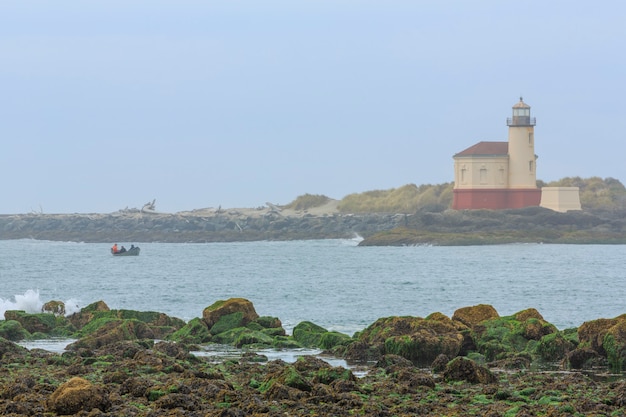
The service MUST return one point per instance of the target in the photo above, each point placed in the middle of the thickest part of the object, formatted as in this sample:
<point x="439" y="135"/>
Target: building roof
<point x="486" y="148"/>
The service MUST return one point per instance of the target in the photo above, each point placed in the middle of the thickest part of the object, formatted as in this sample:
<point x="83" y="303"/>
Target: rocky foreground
<point x="130" y="363"/>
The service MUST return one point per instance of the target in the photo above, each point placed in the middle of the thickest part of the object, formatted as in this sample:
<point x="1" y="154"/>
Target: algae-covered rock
<point x="583" y="358"/>
<point x="417" y="339"/>
<point x="607" y="337"/>
<point x="506" y="336"/>
<point x="614" y="345"/>
<point x="33" y="323"/>
<point x="475" y="314"/>
<point x="13" y="330"/>
<point x="106" y="331"/>
<point x="6" y="346"/>
<point x="86" y="314"/>
<point x="54" y="307"/>
<point x="463" y="369"/>
<point x="554" y="347"/>
<point x="40" y="325"/>
<point x="309" y="334"/>
<point x="591" y="333"/>
<point x="194" y="332"/>
<point x="213" y="313"/>
<point x="287" y="376"/>
<point x="228" y="322"/>
<point x="77" y="395"/>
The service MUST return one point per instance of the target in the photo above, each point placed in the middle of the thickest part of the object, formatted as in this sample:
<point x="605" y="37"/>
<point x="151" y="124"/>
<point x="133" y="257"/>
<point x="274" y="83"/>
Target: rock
<point x="172" y="350"/>
<point x="614" y="345"/>
<point x="592" y="333"/>
<point x="13" y="330"/>
<point x="108" y="331"/>
<point x="86" y="314"/>
<point x="286" y="376"/>
<point x="391" y="363"/>
<point x="500" y="337"/>
<point x="440" y="362"/>
<point x="463" y="369"/>
<point x="77" y="395"/>
<point x="582" y="358"/>
<point x="535" y="327"/>
<point x="411" y="380"/>
<point x="239" y="310"/>
<point x="311" y="335"/>
<point x="7" y="347"/>
<point x="194" y="332"/>
<point x="473" y="315"/>
<point x="414" y="338"/>
<point x="554" y="347"/>
<point x="32" y="323"/>
<point x="607" y="337"/>
<point x="54" y="307"/>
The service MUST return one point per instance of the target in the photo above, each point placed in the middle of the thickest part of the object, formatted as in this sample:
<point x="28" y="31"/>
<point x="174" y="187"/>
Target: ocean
<point x="333" y="283"/>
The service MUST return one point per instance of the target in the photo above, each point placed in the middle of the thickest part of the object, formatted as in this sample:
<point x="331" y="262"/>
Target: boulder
<point x="107" y="331"/>
<point x="77" y="395"/>
<point x="614" y="345"/>
<point x="463" y="369"/>
<point x="591" y="333"/>
<point x="194" y="332"/>
<point x="13" y="330"/>
<point x="9" y="347"/>
<point x="583" y="358"/>
<point x="32" y="323"/>
<point x="470" y="316"/>
<point x="554" y="347"/>
<point x="535" y="327"/>
<point x="507" y="336"/>
<point x="309" y="334"/>
<point x="417" y="339"/>
<point x="54" y="307"/>
<point x="285" y="376"/>
<point x="238" y="309"/>
<point x="86" y="314"/>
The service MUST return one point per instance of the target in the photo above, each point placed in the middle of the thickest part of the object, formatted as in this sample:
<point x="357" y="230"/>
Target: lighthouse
<point x="499" y="175"/>
<point x="522" y="158"/>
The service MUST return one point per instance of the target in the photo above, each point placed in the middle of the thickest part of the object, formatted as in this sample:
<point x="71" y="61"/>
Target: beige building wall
<point x="560" y="199"/>
<point x="481" y="172"/>
<point x="522" y="158"/>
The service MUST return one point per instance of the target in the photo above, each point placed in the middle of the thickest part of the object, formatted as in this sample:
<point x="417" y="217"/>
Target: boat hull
<point x="130" y="252"/>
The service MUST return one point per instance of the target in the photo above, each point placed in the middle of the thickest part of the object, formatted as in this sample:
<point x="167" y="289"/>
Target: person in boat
<point x="132" y="247"/>
<point x="123" y="249"/>
<point x="114" y="248"/>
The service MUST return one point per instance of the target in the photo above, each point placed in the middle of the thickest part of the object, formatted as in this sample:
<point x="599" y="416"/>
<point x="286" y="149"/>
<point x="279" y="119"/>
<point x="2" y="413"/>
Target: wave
<point x="31" y="302"/>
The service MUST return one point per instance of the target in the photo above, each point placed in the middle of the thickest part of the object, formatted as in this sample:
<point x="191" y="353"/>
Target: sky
<point x="107" y="105"/>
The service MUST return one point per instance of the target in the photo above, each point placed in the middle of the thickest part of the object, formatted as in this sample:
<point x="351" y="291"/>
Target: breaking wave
<point x="30" y="302"/>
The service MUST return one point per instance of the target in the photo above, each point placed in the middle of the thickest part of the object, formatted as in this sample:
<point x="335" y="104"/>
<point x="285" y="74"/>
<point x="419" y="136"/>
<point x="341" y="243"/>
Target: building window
<point x="530" y="139"/>
<point x="463" y="174"/>
<point x="530" y="166"/>
<point x="483" y="175"/>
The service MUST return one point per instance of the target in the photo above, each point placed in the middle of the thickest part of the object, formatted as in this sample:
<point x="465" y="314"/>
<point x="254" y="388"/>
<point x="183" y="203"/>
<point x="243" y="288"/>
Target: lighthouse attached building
<point x="503" y="175"/>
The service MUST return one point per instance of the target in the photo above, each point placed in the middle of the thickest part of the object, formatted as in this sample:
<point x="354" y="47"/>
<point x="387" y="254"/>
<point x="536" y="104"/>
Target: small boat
<point x="134" y="251"/>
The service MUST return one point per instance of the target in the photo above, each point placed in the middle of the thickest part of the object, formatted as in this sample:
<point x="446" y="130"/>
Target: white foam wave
<point x="31" y="302"/>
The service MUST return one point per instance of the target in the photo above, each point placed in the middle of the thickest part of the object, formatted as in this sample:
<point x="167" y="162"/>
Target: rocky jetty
<point x="477" y="362"/>
<point x="444" y="227"/>
<point x="194" y="227"/>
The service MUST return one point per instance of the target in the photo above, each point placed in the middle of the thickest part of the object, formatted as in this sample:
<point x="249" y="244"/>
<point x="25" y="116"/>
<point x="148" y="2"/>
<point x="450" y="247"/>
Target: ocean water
<point x="333" y="283"/>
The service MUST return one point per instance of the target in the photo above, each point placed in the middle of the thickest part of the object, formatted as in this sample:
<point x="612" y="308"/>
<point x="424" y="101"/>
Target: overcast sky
<point x="110" y="104"/>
